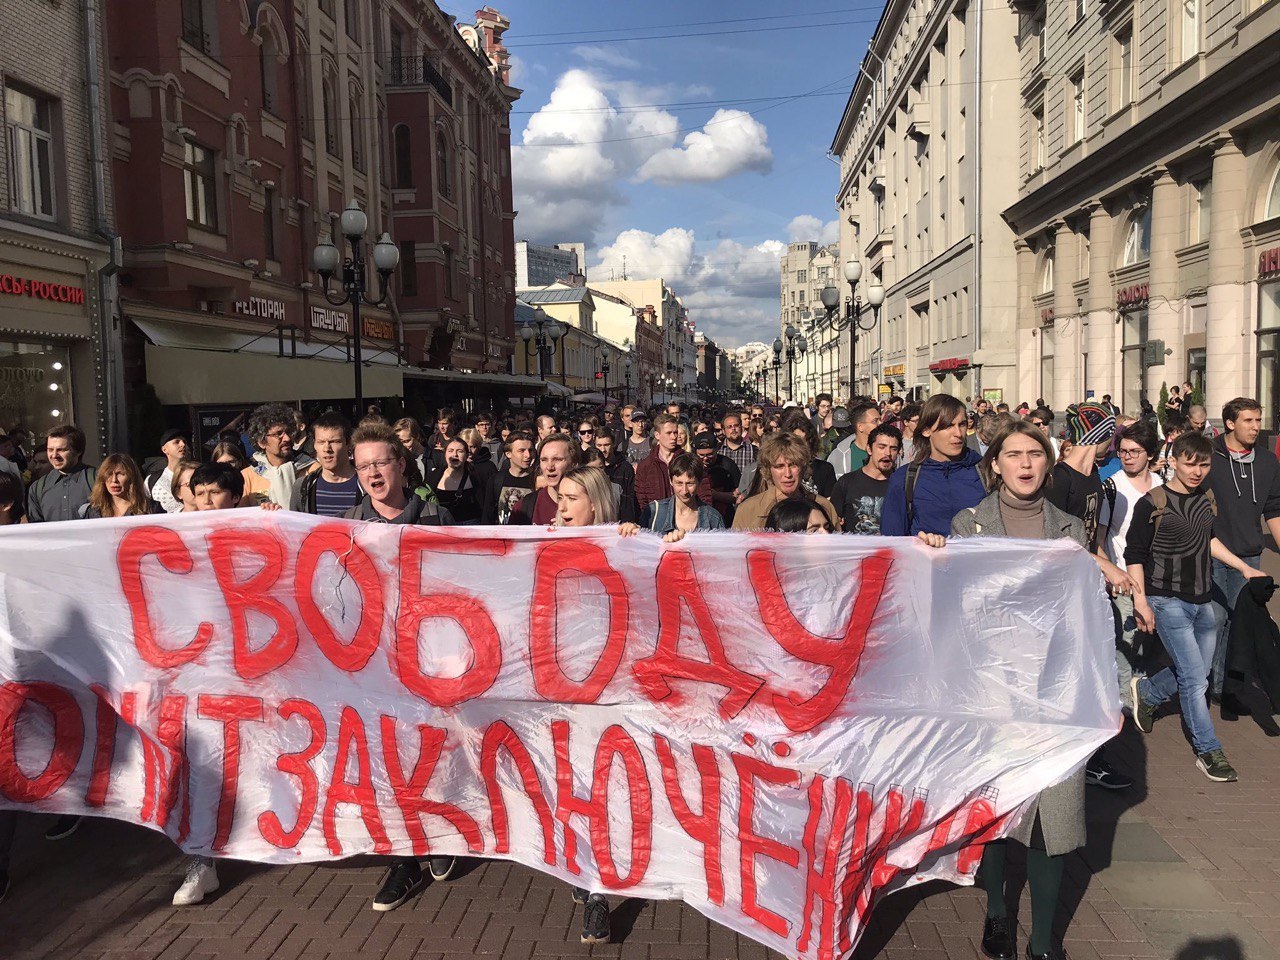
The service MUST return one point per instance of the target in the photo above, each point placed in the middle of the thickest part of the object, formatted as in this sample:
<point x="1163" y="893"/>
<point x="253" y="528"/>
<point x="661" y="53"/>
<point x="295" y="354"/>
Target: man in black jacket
<point x="334" y="489"/>
<point x="1245" y="480"/>
<point x="620" y="472"/>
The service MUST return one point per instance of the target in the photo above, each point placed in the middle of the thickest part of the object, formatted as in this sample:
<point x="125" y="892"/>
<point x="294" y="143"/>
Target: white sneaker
<point x="202" y="879"/>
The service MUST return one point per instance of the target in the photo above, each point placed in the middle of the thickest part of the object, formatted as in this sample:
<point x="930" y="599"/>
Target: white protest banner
<point x="775" y="728"/>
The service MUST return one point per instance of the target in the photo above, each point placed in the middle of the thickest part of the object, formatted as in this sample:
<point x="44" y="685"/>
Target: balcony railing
<point x="194" y="33"/>
<point x="417" y="71"/>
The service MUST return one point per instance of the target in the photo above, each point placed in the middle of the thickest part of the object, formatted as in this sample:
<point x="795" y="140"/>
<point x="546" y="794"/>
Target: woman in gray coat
<point x="1016" y="468"/>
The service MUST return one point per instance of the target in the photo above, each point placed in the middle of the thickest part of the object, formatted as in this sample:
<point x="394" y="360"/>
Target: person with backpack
<point x="1137" y="445"/>
<point x="942" y="478"/>
<point x="1170" y="543"/>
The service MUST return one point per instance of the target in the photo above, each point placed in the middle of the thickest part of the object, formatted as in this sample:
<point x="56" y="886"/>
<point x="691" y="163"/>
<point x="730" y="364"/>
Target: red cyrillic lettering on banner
<point x="983" y="826"/>
<point x="230" y="711"/>
<point x="104" y="748"/>
<point x="171" y="735"/>
<point x="703" y="826"/>
<point x="616" y="742"/>
<point x="226" y="547"/>
<point x="357" y="564"/>
<point x="297" y="765"/>
<point x="842" y="657"/>
<point x="497" y="737"/>
<point x="411" y="794"/>
<point x="467" y="611"/>
<point x="752" y="845"/>
<point x="864" y="807"/>
<point x="173" y="555"/>
<point x="64" y="751"/>
<point x="582" y="559"/>
<point x="820" y="882"/>
<point x="361" y="793"/>
<point x="679" y="586"/>
<point x="569" y="803"/>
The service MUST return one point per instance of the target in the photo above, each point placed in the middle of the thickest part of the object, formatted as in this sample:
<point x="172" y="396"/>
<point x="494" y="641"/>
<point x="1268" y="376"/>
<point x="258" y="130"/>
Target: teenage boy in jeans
<point x="1171" y="540"/>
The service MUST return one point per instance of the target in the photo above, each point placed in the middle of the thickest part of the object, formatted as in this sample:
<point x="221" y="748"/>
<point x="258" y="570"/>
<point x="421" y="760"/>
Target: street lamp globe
<point x="539" y="316"/>
<point x="830" y="297"/>
<point x="554" y="330"/>
<point x="386" y="255"/>
<point x="852" y="270"/>
<point x="325" y="258"/>
<point x="526" y="333"/>
<point x="875" y="295"/>
<point x="777" y="346"/>
<point x="792" y="333"/>
<point x="354" y="222"/>
<point x="801" y="345"/>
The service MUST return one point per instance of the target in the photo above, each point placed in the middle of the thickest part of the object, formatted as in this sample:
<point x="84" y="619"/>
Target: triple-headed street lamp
<point x="795" y="348"/>
<point x="853" y="310"/>
<point x="604" y="370"/>
<point x="626" y="395"/>
<point x="326" y="259"/>
<point x="546" y="339"/>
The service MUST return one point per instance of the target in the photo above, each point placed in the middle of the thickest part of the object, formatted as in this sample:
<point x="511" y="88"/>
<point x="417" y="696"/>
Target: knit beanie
<point x="1090" y="423"/>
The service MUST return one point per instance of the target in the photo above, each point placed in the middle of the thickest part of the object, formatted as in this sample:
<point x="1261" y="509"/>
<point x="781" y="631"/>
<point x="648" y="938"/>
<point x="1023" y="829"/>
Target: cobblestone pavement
<point x="1177" y="868"/>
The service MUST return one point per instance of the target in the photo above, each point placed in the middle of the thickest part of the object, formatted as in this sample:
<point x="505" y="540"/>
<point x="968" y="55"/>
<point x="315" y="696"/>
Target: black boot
<point x="997" y="938"/>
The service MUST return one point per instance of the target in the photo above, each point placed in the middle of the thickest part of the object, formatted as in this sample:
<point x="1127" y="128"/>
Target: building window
<point x="1273" y="198"/>
<point x="1133" y="363"/>
<point x="269" y="224"/>
<point x="1137" y="242"/>
<point x="202" y="187"/>
<point x="824" y="273"/>
<point x="1075" y="121"/>
<point x="1124" y="66"/>
<point x="403" y="156"/>
<point x="327" y="8"/>
<point x="199" y="24"/>
<point x="1201" y="204"/>
<point x="332" y="135"/>
<point x="802" y="276"/>
<point x="1046" y="361"/>
<point x="30" y="122"/>
<point x="270" y="75"/>
<point x="442" y="166"/>
<point x="448" y="273"/>
<point x="357" y="141"/>
<point x="1080" y="10"/>
<point x="408" y="269"/>
<point x="1037" y="133"/>
<point x="1190" y="24"/>
<point x="1269" y="352"/>
<point x="351" y="8"/>
<point x="1040" y="30"/>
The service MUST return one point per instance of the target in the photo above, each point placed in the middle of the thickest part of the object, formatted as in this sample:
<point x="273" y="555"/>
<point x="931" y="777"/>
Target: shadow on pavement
<point x="1223" y="948"/>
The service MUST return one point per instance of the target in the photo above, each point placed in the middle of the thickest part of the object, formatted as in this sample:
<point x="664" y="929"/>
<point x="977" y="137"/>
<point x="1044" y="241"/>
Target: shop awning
<point x="190" y="364"/>
<point x="515" y="382"/>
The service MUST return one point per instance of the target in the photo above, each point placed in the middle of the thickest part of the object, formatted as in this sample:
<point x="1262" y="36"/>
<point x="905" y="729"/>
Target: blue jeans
<point x="1227" y="584"/>
<point x="1188" y="631"/>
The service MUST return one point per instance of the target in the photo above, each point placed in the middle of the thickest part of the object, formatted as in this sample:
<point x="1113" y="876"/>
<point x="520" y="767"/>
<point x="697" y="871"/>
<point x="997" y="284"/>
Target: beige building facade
<point x="805" y="269"/>
<point x="917" y="209"/>
<point x="1148" y="214"/>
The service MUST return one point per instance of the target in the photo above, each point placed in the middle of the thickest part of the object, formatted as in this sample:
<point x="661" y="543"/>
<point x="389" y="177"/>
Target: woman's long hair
<point x="599" y="490"/>
<point x="228" y="448"/>
<point x="940" y="410"/>
<point x="990" y="479"/>
<point x="101" y="500"/>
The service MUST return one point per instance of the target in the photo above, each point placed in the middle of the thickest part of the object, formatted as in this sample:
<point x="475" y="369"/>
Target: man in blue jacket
<point x="924" y="495"/>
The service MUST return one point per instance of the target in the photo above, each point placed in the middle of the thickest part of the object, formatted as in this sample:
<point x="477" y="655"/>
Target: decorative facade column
<point x="1068" y="344"/>
<point x="1164" y="313"/>
<point x="1028" y="344"/>
<point x="1104" y="333"/>
<point x="1230" y="344"/>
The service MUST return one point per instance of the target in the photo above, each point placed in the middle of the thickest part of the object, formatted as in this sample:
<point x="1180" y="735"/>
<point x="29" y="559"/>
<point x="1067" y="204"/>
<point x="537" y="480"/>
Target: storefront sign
<point x="896" y="370"/>
<point x="39" y="290"/>
<point x="331" y="320"/>
<point x="378" y="329"/>
<point x="261" y="308"/>
<point x="883" y="390"/>
<point x="1135" y="296"/>
<point x="949" y="365"/>
<point x="1269" y="263"/>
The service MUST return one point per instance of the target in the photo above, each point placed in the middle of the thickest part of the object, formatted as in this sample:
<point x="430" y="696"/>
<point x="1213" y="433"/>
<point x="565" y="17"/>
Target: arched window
<point x="1273" y="198"/>
<point x="357" y="141"/>
<point x="332" y="137"/>
<point x="443" y="176"/>
<point x="1137" y="242"/>
<point x="403" y="156"/>
<point x="270" y="74"/>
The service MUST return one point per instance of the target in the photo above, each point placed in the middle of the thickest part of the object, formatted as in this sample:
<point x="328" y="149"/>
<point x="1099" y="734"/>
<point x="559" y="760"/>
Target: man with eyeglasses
<point x="484" y="424"/>
<point x="380" y="463"/>
<point x="1042" y="417"/>
<point x="277" y="466"/>
<point x="1138" y="444"/>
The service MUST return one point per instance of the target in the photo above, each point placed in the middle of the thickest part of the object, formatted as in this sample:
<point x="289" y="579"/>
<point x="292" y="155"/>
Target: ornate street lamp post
<point x="852" y="316"/>
<point x="546" y="339"/>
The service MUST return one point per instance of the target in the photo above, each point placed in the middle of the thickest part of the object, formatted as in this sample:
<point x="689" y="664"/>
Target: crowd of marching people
<point x="1173" y="510"/>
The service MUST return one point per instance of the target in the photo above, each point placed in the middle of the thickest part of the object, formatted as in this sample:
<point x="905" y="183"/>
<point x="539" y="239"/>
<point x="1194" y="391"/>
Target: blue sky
<point x="704" y="193"/>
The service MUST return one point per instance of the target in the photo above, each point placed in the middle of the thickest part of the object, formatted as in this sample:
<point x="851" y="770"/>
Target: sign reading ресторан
<point x="261" y="308"/>
<point x="16" y="286"/>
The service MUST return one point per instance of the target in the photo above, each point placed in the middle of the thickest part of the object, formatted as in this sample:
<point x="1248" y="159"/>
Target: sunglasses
<point x="585" y="433"/>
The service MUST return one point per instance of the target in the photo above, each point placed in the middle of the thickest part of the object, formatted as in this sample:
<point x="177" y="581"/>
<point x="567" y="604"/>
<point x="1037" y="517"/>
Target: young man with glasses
<point x="1137" y="445"/>
<point x="1042" y="417"/>
<point x="277" y="466"/>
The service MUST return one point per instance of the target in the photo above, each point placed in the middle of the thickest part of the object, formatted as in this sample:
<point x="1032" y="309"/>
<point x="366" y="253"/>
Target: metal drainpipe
<point x="977" y="201"/>
<point x="107" y="279"/>
<point x="307" y="213"/>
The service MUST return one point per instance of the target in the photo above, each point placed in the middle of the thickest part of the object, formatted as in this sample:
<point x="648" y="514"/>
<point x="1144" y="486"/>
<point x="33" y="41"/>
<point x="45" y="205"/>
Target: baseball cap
<point x="705" y="441"/>
<point x="1090" y="423"/>
<point x="840" y="417"/>
<point x="639" y="415"/>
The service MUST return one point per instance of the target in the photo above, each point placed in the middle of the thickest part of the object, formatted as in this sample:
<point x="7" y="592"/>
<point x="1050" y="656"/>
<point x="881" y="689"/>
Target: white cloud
<point x="606" y="57"/>
<point x="731" y="142"/>
<point x="808" y="227"/>
<point x="730" y="288"/>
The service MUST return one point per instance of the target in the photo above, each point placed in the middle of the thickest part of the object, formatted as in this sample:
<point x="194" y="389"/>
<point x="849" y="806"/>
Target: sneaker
<point x="4" y="884"/>
<point x="580" y="895"/>
<point x="1144" y="715"/>
<point x="997" y="938"/>
<point x="442" y="867"/>
<point x="595" y="920"/>
<point x="202" y="879"/>
<point x="1213" y="764"/>
<point x="1098" y="773"/>
<point x="63" y="827"/>
<point x="402" y="880"/>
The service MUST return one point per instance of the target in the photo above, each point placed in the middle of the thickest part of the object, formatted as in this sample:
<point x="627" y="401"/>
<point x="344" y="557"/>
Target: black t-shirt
<point x="858" y="500"/>
<point x="1080" y="495"/>
<point x="503" y="495"/>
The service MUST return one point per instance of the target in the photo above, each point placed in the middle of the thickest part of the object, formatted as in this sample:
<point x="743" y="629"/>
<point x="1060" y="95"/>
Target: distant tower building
<point x="538" y="265"/>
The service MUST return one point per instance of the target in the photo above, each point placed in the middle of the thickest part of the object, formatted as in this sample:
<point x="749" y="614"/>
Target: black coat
<point x="1254" y="653"/>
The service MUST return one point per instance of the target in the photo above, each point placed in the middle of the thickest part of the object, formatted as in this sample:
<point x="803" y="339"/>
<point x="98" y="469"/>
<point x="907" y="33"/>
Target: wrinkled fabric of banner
<point x="776" y="729"/>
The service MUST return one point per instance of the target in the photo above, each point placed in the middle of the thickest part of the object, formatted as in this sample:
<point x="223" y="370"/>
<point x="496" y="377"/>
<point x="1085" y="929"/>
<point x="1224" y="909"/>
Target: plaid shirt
<point x="745" y="456"/>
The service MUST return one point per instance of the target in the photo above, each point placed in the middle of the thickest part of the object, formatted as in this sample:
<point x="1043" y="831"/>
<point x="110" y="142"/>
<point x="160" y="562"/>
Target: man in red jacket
<point x="653" y="482"/>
